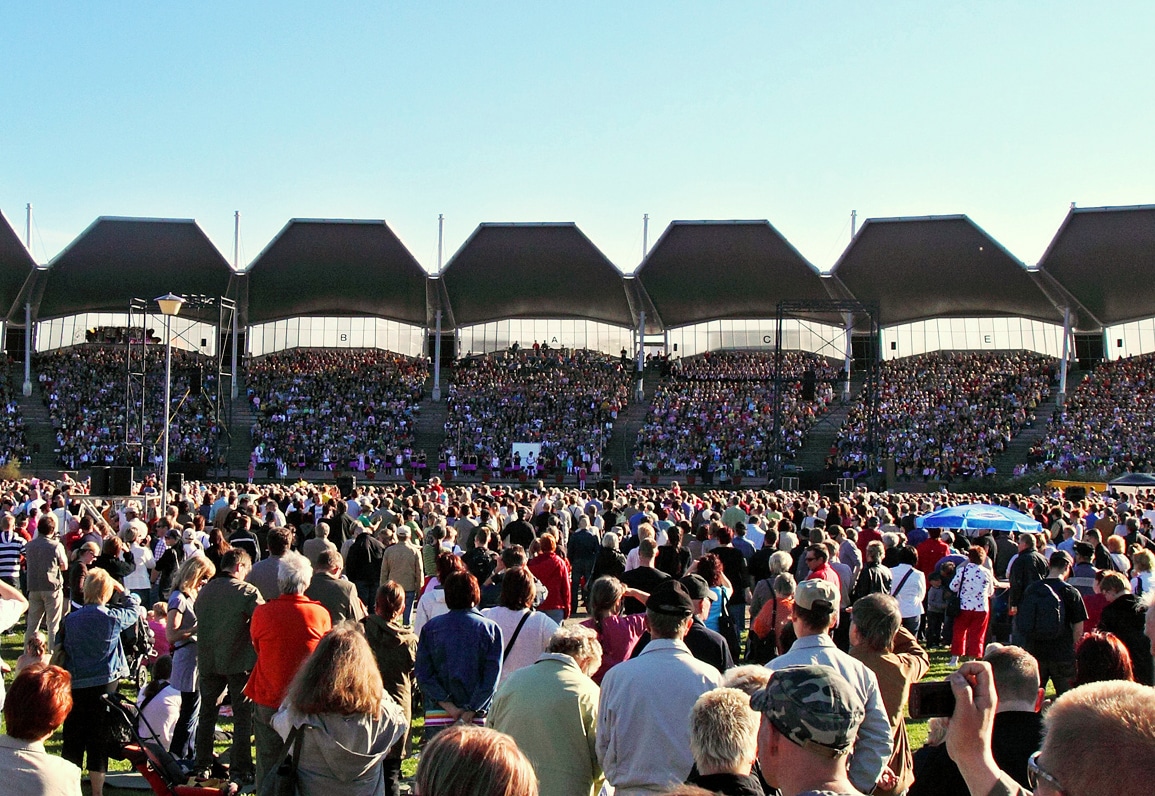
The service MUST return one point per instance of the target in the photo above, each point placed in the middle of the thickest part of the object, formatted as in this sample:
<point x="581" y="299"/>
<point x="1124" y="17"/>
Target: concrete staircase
<point x="429" y="428"/>
<point x="620" y="448"/>
<point x="1017" y="448"/>
<point x="822" y="435"/>
<point x="241" y="449"/>
<point x="37" y="423"/>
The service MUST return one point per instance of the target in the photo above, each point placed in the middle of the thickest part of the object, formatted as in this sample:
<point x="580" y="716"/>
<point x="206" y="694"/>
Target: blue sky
<point x="588" y="112"/>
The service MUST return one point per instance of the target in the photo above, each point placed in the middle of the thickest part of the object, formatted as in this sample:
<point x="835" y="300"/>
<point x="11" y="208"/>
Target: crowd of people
<point x="85" y="390"/>
<point x="565" y="399"/>
<point x="713" y="415"/>
<point x="335" y="408"/>
<point x="844" y="600"/>
<point x="946" y="415"/>
<point x="13" y="437"/>
<point x="1108" y="423"/>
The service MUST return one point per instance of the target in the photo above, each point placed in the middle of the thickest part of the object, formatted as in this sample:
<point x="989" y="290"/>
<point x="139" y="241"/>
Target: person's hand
<point x="886" y="780"/>
<point x="453" y="711"/>
<point x="465" y="717"/>
<point x="968" y="737"/>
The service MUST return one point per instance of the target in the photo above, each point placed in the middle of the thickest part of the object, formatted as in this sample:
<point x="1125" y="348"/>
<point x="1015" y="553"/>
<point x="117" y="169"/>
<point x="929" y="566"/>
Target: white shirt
<point x="531" y="641"/>
<point x="913" y="589"/>
<point x="139" y="577"/>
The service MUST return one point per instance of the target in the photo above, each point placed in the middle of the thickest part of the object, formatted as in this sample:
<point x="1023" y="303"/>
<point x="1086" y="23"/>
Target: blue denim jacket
<point x="92" y="641"/>
<point x="459" y="660"/>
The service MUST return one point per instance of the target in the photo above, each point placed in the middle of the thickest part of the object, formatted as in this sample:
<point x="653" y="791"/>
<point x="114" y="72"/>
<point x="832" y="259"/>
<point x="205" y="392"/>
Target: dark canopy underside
<point x="1105" y="257"/>
<point x="707" y="270"/>
<point x="533" y="271"/>
<point x="117" y="259"/>
<point x="16" y="264"/>
<point x="336" y="268"/>
<point x="938" y="267"/>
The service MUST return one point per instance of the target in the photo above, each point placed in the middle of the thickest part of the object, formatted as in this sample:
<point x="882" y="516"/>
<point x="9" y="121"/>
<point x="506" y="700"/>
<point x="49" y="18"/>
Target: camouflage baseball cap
<point x="813" y="707"/>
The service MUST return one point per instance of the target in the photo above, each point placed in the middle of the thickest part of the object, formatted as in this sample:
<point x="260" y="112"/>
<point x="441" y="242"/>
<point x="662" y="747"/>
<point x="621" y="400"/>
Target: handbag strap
<point x="513" y="638"/>
<point x="902" y="583"/>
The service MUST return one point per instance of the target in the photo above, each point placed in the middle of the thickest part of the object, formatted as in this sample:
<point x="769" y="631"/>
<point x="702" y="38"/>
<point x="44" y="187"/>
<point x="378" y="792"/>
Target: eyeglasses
<point x="1036" y="773"/>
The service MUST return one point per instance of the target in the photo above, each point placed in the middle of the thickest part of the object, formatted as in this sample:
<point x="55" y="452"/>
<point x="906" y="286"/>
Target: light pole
<point x="169" y="306"/>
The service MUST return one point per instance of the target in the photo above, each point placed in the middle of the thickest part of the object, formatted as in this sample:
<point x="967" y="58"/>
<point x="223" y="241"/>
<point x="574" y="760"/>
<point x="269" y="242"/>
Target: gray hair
<point x="580" y="643"/>
<point x="784" y="585"/>
<point x="749" y="678"/>
<point x="321" y="530"/>
<point x="723" y="730"/>
<point x="780" y="562"/>
<point x="610" y="540"/>
<point x="294" y="573"/>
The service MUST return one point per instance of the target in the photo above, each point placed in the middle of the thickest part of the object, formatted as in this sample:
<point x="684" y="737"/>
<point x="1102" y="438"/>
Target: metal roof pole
<point x="437" y="359"/>
<point x="233" y="391"/>
<point x="1062" y="399"/>
<point x="27" y="390"/>
<point x="848" y="322"/>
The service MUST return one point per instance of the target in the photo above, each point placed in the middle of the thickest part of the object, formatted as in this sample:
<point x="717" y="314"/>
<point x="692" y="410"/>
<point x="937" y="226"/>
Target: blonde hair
<point x="192" y="571"/>
<point x="1143" y="561"/>
<point x="474" y="761"/>
<point x="98" y="587"/>
<point x="340" y="676"/>
<point x="723" y="730"/>
<point x="1112" y="720"/>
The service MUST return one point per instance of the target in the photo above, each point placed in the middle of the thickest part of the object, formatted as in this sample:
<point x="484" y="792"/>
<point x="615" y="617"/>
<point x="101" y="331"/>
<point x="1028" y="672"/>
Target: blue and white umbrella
<point x="976" y="516"/>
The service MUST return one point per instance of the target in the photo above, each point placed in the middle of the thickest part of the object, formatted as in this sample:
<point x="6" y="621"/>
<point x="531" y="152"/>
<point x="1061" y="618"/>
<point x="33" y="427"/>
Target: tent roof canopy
<point x="708" y="270"/>
<point x="1105" y="258"/>
<point x="938" y="267"/>
<point x="547" y="270"/>
<point x="16" y="265"/>
<point x="117" y="259"/>
<point x="336" y="267"/>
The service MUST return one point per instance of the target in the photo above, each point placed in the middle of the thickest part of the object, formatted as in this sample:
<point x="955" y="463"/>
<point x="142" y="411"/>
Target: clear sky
<point x="593" y="112"/>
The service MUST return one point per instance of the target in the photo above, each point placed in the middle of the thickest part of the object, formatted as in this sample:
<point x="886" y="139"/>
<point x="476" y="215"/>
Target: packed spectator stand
<point x="13" y="437"/>
<point x="565" y="399"/>
<point x="1108" y="423"/>
<point x="946" y="415"/>
<point x="335" y="408"/>
<point x="713" y="414"/>
<point x="85" y="391"/>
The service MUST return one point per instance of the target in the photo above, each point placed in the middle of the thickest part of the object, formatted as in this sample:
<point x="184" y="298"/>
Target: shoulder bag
<point x="954" y="598"/>
<point x="282" y="780"/>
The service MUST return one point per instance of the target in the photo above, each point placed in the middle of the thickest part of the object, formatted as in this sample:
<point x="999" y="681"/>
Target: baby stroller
<point x="151" y="760"/>
<point x="139" y="650"/>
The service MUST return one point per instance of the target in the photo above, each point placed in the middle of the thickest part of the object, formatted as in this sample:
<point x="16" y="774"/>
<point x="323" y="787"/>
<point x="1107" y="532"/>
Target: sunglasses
<point x="1037" y="774"/>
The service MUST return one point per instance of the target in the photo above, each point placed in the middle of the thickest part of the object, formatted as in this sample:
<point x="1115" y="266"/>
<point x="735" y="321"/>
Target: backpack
<point x="1042" y="615"/>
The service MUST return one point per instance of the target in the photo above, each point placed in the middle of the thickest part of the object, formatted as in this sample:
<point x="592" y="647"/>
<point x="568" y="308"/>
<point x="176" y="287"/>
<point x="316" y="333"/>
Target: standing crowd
<point x="738" y="643"/>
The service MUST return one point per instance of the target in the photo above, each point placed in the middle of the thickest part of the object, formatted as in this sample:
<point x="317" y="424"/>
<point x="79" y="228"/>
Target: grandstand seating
<point x="84" y="388"/>
<point x="716" y="411"/>
<point x="945" y="415"/>
<point x="335" y="408"/>
<point x="1108" y="423"/>
<point x="566" y="400"/>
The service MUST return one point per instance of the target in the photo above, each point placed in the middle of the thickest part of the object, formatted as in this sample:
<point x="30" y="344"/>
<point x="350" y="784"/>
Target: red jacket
<point x="930" y="552"/>
<point x="553" y="571"/>
<point x="284" y="632"/>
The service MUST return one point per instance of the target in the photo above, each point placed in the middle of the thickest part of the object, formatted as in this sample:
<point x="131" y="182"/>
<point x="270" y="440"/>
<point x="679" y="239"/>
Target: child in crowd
<point x="935" y="610"/>
<point x="35" y="651"/>
<point x="157" y="619"/>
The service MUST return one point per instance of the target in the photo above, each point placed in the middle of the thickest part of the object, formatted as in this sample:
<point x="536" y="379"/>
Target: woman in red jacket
<point x="554" y="573"/>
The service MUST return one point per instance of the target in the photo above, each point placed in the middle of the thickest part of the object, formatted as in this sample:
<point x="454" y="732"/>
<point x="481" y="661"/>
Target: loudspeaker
<point x="196" y="380"/>
<point x="830" y="491"/>
<point x="99" y="482"/>
<point x="809" y="378"/>
<point x="1075" y="493"/>
<point x="346" y="483"/>
<point x="608" y="485"/>
<point x="120" y="481"/>
<point x="175" y="482"/>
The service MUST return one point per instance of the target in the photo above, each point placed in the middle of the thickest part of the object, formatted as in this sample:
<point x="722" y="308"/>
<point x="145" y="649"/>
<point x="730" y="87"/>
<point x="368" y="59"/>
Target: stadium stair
<point x="814" y="451"/>
<point x="621" y="444"/>
<point x="37" y="423"/>
<point x="1016" y="452"/>
<point x="429" y="428"/>
<point x="240" y="428"/>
